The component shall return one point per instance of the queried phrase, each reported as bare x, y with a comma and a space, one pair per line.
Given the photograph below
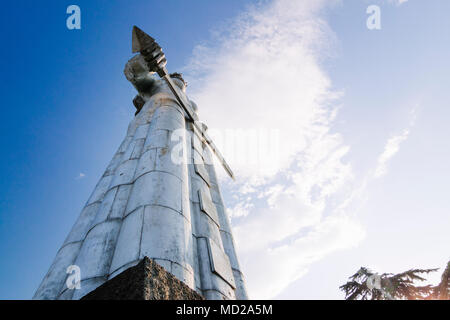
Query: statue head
179, 81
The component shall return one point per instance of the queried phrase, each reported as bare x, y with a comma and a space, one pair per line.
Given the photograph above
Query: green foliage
367, 285
443, 289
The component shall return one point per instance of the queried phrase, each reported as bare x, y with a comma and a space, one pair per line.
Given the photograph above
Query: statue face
180, 83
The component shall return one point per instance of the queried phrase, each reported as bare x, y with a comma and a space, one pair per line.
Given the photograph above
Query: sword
156, 62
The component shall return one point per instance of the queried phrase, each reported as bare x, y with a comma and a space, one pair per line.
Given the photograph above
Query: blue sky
365, 185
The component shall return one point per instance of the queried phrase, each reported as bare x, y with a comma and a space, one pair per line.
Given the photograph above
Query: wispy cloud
393, 146
264, 71
81, 175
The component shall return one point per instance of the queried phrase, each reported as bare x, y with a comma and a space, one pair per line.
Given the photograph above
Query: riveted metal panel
201, 171
207, 206
220, 264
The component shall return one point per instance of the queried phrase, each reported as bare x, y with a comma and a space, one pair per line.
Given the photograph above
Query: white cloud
265, 75
241, 209
393, 146
263, 72
81, 175
270, 270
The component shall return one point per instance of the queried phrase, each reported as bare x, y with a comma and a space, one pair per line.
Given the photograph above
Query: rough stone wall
145, 204
145, 281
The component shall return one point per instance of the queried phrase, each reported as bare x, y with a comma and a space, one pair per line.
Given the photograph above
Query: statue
159, 197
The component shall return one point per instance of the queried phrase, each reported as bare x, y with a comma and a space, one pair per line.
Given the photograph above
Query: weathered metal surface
220, 263
207, 206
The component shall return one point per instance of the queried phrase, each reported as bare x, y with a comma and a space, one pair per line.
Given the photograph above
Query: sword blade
156, 61
202, 133
205, 138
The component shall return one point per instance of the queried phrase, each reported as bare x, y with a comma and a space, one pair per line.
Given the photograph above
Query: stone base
145, 281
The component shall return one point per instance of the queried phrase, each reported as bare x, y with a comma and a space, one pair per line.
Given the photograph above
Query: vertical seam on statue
120, 229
